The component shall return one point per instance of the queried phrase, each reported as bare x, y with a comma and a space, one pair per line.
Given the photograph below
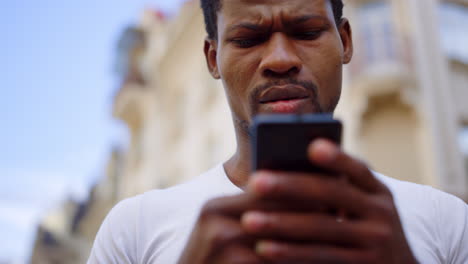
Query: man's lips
283, 93
285, 106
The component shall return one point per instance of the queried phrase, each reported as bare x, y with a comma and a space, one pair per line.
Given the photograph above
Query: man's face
279, 56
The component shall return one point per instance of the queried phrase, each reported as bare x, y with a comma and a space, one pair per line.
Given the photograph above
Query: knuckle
382, 188
370, 257
387, 192
341, 188
362, 168
218, 236
271, 221
279, 186
211, 207
242, 256
322, 187
384, 207
382, 235
250, 260
279, 253
276, 186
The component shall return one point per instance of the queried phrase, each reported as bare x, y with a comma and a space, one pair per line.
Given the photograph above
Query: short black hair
211, 7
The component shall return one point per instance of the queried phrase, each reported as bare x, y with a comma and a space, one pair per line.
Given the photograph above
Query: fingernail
261, 183
253, 221
266, 248
324, 151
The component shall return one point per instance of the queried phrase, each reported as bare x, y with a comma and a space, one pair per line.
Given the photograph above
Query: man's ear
210, 50
346, 35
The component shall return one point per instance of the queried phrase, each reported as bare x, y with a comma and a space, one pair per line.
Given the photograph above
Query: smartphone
280, 141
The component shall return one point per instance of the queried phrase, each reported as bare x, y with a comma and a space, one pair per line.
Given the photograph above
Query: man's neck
238, 167
237, 170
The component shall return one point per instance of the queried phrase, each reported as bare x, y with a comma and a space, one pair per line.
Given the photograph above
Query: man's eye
308, 35
247, 43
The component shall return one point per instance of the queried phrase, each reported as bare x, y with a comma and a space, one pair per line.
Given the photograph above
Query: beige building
404, 97
403, 107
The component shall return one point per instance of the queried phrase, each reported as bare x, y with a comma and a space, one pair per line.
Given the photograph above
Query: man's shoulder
169, 196
425, 202
426, 206
186, 197
147, 218
414, 192
210, 184
435, 222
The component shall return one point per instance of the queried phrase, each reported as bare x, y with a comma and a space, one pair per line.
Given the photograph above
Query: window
375, 20
454, 22
463, 139
129, 51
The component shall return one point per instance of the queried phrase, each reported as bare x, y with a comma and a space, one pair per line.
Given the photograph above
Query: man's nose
280, 58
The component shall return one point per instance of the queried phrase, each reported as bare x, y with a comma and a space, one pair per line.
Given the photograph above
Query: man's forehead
244, 8
274, 3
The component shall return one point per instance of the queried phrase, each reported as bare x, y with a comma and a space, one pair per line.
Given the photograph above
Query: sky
56, 89
57, 84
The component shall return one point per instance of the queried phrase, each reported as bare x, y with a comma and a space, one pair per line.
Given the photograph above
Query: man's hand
344, 216
218, 236
359, 222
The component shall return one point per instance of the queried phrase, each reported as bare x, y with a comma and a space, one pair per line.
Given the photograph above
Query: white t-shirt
154, 227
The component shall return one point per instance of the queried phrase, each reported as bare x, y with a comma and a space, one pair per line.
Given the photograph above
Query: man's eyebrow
302, 19
296, 20
247, 25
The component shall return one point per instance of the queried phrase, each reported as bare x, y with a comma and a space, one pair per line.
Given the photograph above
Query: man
284, 56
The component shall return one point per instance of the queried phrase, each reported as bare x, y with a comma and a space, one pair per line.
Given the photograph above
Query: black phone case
280, 142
